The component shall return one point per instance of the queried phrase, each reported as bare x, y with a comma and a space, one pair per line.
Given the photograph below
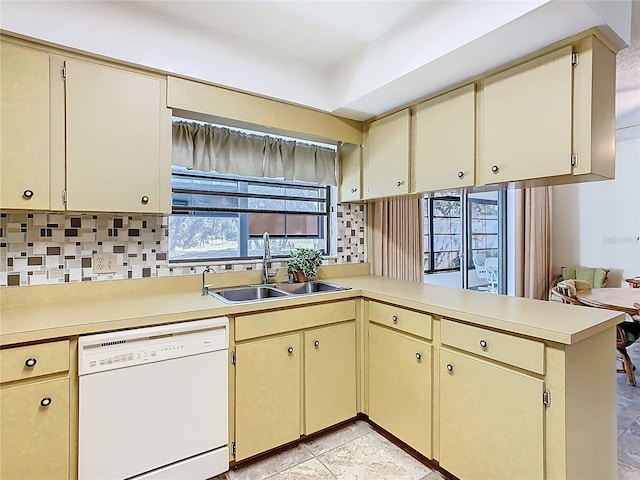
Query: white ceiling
354, 58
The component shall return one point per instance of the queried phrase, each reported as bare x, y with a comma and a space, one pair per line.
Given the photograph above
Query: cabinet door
491, 420
386, 159
350, 169
267, 394
117, 132
445, 141
525, 123
400, 386
34, 435
330, 376
24, 128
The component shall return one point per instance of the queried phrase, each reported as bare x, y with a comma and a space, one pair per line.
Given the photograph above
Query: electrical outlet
105, 263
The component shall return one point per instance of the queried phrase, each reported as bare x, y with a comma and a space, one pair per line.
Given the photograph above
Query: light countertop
56, 311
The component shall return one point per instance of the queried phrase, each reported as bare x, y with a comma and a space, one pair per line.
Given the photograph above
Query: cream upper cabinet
491, 420
386, 157
350, 172
31, 129
400, 385
525, 120
551, 119
118, 140
330, 376
267, 394
445, 141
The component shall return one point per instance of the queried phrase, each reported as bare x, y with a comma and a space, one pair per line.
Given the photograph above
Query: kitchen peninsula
493, 374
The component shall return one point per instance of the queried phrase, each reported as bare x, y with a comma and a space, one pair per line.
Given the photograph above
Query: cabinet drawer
416, 323
34, 360
516, 351
279, 321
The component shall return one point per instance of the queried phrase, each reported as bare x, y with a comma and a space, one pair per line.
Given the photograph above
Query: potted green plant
304, 263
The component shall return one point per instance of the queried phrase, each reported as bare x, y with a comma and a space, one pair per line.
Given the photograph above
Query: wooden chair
624, 339
597, 277
633, 282
626, 332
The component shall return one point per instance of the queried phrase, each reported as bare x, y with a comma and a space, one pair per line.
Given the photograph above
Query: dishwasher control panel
102, 352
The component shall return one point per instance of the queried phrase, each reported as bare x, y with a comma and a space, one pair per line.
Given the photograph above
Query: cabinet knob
30, 362
27, 194
45, 402
395, 319
449, 367
144, 199
354, 190
460, 174
316, 343
418, 356
399, 183
290, 350
495, 169
483, 343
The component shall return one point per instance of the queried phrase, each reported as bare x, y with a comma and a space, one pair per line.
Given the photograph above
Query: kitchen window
216, 217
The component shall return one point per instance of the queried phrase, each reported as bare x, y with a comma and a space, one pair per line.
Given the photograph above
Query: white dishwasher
153, 402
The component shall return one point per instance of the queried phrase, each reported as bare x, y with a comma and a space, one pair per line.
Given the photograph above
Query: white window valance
218, 149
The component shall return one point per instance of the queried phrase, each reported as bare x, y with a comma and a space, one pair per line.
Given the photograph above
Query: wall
598, 224
40, 248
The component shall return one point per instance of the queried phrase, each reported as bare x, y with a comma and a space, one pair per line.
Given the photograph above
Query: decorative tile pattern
50, 247
352, 246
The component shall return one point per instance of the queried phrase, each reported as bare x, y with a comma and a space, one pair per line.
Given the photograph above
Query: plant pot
300, 277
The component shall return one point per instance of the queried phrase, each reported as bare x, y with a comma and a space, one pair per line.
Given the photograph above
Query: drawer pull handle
27, 194
45, 402
316, 343
144, 199
495, 169
460, 174
418, 356
449, 367
290, 350
394, 318
483, 343
30, 362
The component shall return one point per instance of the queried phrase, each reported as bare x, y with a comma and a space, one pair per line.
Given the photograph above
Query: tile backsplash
46, 247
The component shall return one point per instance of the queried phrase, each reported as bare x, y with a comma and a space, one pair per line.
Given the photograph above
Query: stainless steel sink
247, 294
278, 290
309, 287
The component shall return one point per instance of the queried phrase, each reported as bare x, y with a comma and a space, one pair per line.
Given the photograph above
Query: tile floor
357, 452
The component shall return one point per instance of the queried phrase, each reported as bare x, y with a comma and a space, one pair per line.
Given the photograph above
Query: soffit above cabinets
356, 59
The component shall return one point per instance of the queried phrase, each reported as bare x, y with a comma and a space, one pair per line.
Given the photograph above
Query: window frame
431, 253
243, 211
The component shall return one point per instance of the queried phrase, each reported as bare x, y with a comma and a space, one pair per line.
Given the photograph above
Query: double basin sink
278, 290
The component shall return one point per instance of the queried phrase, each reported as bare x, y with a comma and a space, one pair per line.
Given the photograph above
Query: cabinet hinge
64, 197
574, 159
233, 358
233, 448
574, 59
546, 398
63, 72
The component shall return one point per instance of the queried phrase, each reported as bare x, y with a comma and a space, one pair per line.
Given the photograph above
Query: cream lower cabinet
295, 374
491, 420
400, 382
35, 412
267, 394
329, 376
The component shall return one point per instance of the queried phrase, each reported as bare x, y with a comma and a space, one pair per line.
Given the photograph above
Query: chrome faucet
266, 260
205, 290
